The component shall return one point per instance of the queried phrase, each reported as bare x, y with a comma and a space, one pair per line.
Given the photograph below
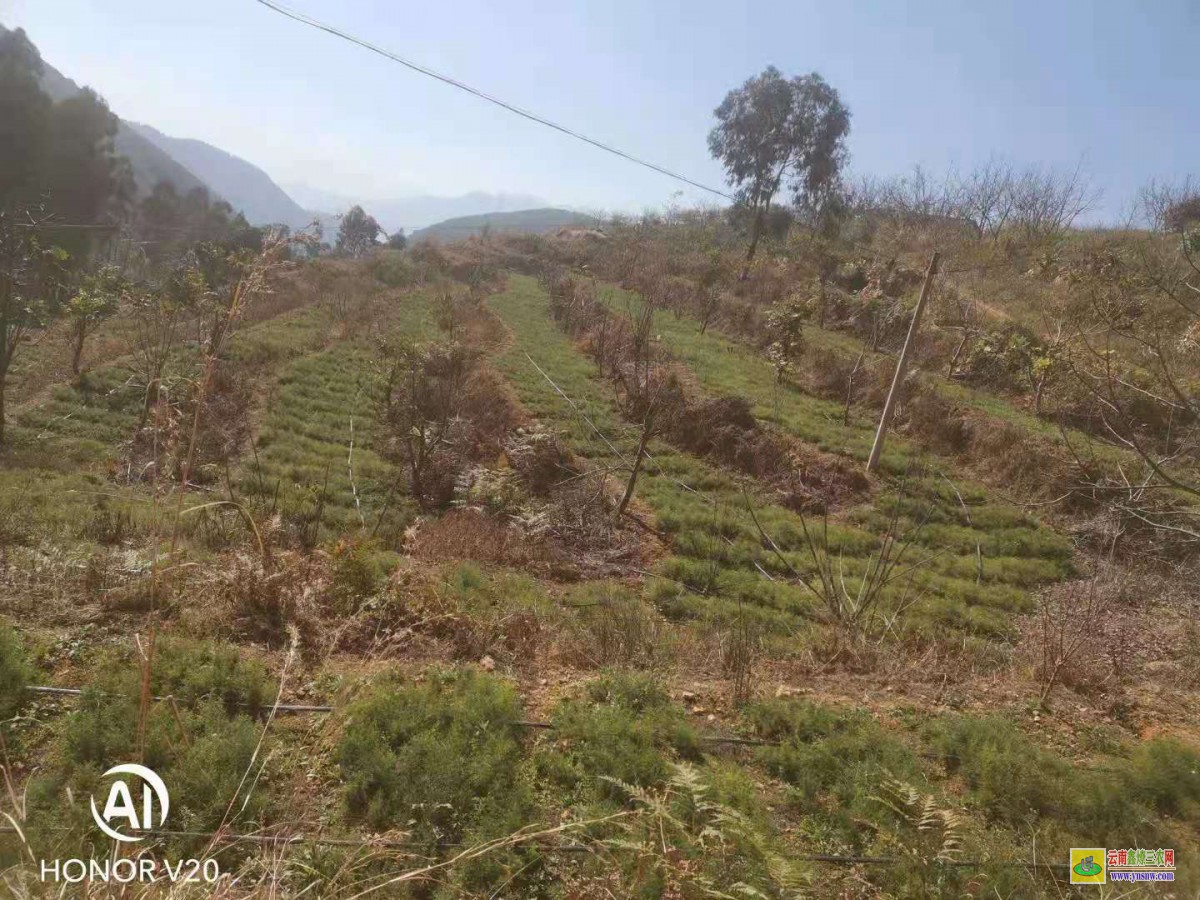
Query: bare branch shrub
1072, 620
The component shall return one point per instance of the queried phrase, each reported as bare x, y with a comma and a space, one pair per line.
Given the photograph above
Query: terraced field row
719, 553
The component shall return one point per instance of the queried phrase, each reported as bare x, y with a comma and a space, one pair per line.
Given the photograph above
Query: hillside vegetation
412, 503
577, 565
525, 221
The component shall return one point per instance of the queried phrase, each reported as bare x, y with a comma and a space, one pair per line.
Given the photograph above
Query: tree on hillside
24, 118
174, 223
31, 275
58, 157
1171, 206
398, 241
96, 299
357, 233
83, 177
1136, 357
774, 134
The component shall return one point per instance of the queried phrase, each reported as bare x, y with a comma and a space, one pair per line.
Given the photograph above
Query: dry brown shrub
938, 423
823, 480
1015, 458
829, 375
489, 404
261, 603
1075, 639
617, 629
539, 456
511, 637
878, 381
474, 535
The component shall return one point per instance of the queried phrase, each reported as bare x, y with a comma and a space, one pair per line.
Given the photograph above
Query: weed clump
627, 731
440, 758
15, 673
835, 760
200, 739
1125, 802
615, 628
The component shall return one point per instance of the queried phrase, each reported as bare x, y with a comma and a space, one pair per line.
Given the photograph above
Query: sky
940, 84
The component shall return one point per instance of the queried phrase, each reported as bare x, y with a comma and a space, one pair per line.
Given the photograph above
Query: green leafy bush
201, 742
441, 758
824, 751
1008, 775
627, 730
15, 673
393, 269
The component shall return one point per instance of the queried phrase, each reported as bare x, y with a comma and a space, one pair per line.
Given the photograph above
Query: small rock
698, 710
487, 664
688, 696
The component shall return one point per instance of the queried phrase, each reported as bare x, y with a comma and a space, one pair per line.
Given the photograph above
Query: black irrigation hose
282, 707
300, 708
278, 840
520, 723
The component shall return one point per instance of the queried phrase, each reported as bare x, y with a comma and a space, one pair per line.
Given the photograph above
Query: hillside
578, 551
526, 221
820, 532
245, 186
149, 163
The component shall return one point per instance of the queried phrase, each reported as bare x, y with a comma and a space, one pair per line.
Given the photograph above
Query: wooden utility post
901, 366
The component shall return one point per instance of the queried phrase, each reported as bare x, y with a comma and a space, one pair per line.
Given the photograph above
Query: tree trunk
637, 467
77, 351
3, 382
958, 351
755, 234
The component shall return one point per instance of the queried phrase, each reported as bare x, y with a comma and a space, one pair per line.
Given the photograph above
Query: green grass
303, 446
718, 552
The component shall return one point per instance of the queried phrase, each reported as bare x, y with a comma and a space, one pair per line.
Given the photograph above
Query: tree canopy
358, 232
776, 134
56, 156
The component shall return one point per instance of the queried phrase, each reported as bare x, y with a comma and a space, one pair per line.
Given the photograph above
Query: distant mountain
246, 187
528, 221
150, 164
420, 211
317, 199
415, 211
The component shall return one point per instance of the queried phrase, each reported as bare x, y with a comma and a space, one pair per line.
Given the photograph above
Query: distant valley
187, 164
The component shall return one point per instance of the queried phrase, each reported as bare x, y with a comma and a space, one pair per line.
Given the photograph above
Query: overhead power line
533, 117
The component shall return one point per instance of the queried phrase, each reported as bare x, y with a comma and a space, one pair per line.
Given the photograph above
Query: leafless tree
985, 198
1048, 201
420, 390
1071, 618
1138, 362
1169, 206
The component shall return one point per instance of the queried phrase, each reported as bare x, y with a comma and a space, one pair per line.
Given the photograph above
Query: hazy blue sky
935, 83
